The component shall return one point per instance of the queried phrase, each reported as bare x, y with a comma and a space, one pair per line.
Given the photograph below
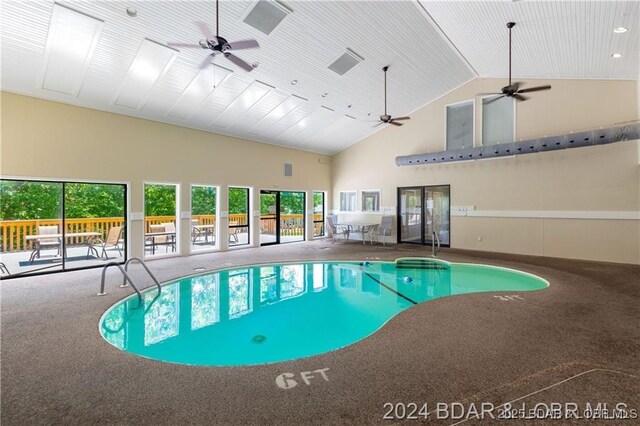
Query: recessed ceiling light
294, 82
620, 30
133, 12
616, 55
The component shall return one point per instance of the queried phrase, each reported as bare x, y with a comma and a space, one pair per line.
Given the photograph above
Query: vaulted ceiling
93, 54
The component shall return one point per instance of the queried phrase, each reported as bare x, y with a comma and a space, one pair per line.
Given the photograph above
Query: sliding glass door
269, 208
56, 226
423, 213
281, 217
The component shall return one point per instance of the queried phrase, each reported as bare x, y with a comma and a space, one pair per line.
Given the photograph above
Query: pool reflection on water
271, 313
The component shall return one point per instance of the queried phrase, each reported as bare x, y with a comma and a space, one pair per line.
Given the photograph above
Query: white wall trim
552, 214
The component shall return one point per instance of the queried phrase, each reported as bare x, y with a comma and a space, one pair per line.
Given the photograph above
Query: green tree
238, 201
30, 200
203, 200
93, 200
159, 200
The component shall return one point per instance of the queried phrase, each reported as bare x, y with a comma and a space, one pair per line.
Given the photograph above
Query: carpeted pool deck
575, 344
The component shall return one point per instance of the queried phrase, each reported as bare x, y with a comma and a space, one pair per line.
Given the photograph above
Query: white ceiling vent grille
345, 62
266, 15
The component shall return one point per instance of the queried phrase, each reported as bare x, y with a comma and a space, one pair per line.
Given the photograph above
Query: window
459, 126
498, 120
160, 213
348, 201
203, 217
239, 216
371, 201
318, 214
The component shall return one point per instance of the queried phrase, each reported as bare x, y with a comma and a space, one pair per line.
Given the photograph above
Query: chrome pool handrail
126, 277
144, 265
434, 240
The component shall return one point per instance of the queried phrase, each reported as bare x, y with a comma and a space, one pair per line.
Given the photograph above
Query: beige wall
575, 183
52, 140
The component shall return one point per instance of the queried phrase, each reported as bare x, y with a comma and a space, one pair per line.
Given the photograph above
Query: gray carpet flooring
576, 342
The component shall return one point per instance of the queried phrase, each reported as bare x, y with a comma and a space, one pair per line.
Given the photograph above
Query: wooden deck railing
12, 232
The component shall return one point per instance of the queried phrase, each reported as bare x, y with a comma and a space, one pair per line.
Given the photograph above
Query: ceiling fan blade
395, 124
492, 100
534, 89
207, 61
206, 31
378, 124
400, 118
187, 45
239, 62
243, 44
520, 97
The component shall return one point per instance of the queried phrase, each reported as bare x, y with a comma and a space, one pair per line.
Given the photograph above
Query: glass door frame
278, 193
423, 240
63, 182
276, 219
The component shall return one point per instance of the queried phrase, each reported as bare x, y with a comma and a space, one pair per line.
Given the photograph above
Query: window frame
250, 218
473, 122
355, 199
362, 201
481, 132
216, 246
127, 217
178, 251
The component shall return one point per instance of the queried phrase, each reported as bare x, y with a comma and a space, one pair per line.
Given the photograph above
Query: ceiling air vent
345, 62
266, 15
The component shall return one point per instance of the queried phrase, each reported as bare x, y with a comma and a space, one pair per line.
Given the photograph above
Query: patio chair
46, 243
383, 230
154, 240
333, 230
112, 240
195, 231
170, 239
233, 232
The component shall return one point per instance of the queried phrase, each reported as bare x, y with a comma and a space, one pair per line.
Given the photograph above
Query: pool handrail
126, 277
435, 240
144, 265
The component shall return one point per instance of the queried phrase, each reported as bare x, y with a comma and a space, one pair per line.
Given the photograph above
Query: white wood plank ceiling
431, 47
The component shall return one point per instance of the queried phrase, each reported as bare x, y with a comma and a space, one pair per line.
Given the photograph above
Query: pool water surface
270, 313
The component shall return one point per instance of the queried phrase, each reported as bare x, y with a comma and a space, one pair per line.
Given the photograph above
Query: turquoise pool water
270, 313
